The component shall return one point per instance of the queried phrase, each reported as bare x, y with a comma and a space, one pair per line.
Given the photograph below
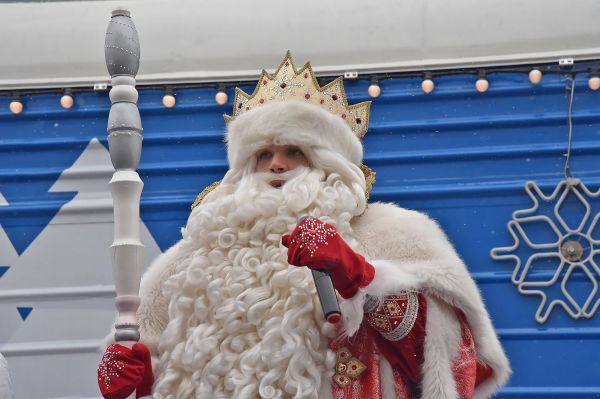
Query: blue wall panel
459, 155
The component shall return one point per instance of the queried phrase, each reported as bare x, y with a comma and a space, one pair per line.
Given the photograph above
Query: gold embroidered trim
407, 323
204, 193
369, 178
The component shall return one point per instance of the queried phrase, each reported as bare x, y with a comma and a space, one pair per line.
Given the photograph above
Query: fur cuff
389, 279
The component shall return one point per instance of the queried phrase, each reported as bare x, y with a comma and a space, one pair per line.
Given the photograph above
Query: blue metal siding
463, 157
459, 155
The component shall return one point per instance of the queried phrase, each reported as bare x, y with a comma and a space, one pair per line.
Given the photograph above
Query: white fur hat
289, 123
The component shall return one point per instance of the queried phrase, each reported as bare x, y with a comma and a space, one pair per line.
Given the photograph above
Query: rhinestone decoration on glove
313, 234
109, 366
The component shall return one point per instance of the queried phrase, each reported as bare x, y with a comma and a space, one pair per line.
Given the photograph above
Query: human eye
262, 155
295, 152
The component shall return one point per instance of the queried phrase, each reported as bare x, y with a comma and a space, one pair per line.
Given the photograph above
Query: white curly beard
243, 322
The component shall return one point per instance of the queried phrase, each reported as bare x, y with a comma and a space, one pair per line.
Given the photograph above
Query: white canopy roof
60, 44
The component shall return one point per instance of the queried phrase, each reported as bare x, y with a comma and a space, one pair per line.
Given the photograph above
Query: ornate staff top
121, 46
122, 55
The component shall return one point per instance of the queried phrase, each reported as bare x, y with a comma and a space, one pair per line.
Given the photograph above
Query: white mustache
268, 177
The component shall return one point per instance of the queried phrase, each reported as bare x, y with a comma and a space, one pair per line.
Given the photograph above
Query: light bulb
168, 99
374, 89
482, 83
16, 106
66, 101
427, 84
535, 76
221, 97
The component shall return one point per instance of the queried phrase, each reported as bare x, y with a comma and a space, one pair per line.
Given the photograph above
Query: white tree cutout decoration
574, 249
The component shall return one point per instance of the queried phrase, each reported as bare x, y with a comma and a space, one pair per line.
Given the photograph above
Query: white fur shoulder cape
409, 252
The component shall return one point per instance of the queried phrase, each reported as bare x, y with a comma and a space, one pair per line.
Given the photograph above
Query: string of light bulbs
428, 85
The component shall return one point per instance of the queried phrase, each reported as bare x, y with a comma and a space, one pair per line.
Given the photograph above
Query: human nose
278, 164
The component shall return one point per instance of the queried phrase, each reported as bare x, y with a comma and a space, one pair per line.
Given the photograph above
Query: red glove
318, 245
123, 370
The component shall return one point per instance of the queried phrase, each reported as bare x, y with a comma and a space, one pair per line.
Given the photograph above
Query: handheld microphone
326, 292
327, 297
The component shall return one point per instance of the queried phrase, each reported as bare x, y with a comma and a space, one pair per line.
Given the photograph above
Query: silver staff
122, 54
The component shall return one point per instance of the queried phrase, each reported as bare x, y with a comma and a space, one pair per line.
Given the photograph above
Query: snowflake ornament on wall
569, 245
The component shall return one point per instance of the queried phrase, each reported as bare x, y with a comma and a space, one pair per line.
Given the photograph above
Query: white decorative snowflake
575, 251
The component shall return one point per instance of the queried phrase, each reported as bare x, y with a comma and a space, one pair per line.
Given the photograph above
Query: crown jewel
288, 83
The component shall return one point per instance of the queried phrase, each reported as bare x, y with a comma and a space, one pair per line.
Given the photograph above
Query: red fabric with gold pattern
400, 321
123, 370
468, 372
395, 317
362, 347
318, 245
405, 354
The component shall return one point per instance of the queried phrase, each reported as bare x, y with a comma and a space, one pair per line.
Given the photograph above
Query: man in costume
231, 310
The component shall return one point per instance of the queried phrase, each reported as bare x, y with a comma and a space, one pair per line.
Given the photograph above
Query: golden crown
288, 83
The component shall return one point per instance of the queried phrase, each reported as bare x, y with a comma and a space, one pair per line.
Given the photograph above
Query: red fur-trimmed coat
444, 347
